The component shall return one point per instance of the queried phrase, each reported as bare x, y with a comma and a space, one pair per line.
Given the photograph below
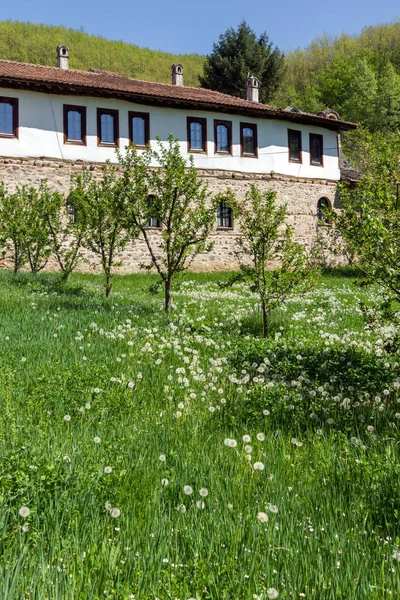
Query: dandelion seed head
260, 437
115, 512
203, 492
67, 418
258, 466
262, 517
96, 440
188, 490
24, 511
107, 469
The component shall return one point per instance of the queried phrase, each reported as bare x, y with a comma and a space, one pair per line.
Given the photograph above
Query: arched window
324, 205
223, 137
224, 216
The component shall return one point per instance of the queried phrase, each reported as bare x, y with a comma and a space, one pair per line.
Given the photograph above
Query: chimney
63, 57
253, 88
177, 74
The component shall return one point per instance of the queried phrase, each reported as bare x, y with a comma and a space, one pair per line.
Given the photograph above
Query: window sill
297, 162
243, 155
316, 164
74, 143
197, 151
107, 145
225, 228
9, 136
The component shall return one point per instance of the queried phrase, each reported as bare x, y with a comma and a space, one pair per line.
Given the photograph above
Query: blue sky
192, 27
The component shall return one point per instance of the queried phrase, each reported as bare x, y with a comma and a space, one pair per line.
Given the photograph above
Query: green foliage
238, 54
275, 265
177, 197
29, 42
24, 224
357, 76
100, 206
12, 227
367, 228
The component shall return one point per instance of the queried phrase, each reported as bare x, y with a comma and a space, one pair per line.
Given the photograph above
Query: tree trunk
265, 320
167, 295
108, 284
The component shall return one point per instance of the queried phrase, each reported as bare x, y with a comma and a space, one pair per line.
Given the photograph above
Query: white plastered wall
41, 135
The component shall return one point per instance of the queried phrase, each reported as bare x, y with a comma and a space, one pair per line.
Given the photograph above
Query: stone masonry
300, 195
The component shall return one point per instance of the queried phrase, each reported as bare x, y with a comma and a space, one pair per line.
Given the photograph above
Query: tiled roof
105, 83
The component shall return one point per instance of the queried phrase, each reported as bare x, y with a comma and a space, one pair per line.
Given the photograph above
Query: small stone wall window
316, 150
294, 143
9, 117
324, 205
224, 216
71, 212
223, 137
248, 139
139, 129
197, 134
74, 124
107, 127
153, 222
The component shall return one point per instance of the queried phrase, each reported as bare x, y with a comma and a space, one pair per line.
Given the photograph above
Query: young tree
367, 228
67, 227
275, 265
37, 205
101, 204
12, 227
239, 53
177, 198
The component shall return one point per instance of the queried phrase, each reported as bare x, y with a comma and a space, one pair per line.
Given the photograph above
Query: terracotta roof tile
105, 83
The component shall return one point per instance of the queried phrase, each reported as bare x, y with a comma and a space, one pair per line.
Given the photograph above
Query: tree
176, 198
67, 227
275, 265
12, 226
101, 203
239, 53
367, 228
37, 205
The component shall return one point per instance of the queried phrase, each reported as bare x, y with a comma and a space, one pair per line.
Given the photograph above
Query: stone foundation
300, 195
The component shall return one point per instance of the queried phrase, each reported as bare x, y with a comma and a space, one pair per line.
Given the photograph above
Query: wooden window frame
299, 137
228, 125
321, 137
323, 220
254, 154
115, 114
146, 118
225, 227
82, 111
203, 123
149, 224
15, 112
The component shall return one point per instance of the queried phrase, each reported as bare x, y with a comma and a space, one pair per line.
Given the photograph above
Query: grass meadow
188, 459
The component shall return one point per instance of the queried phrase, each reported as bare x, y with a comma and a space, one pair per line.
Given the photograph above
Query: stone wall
300, 195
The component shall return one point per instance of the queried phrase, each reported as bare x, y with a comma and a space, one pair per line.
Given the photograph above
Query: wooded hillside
28, 42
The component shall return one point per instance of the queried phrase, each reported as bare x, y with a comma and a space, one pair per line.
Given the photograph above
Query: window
74, 124
324, 205
316, 150
224, 216
248, 139
294, 144
223, 137
139, 129
153, 221
107, 127
71, 212
197, 134
9, 117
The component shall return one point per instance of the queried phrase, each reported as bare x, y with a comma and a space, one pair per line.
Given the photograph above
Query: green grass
148, 386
